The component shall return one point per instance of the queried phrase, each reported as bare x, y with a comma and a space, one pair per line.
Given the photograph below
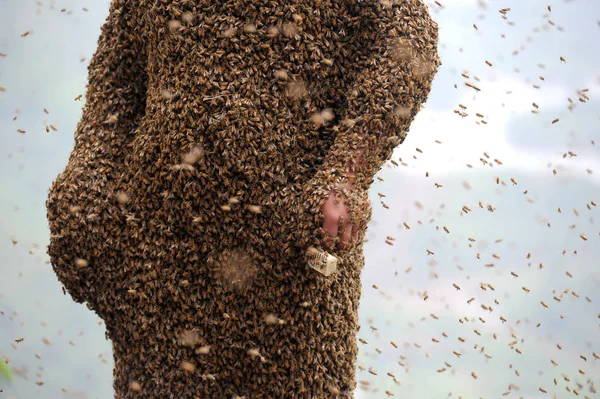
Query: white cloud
464, 142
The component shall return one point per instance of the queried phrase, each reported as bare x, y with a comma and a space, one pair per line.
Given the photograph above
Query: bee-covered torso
170, 219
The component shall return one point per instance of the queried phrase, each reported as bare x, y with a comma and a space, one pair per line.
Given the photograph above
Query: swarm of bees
197, 222
196, 181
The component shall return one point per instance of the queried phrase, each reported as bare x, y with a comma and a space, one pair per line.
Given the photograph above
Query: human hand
337, 222
337, 213
313, 209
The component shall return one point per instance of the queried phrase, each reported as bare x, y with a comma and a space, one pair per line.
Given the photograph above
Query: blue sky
47, 69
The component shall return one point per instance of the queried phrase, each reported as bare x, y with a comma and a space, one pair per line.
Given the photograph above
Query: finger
346, 236
330, 224
343, 228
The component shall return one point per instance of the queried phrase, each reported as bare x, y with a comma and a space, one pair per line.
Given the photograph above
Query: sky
529, 233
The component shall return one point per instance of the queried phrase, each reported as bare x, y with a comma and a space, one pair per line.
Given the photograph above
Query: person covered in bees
219, 141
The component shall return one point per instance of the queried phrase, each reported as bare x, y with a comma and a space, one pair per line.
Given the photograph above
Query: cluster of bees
210, 136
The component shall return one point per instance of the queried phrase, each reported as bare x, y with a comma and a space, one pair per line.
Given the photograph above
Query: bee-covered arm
395, 59
81, 229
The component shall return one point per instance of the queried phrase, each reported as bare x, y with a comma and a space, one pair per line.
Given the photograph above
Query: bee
544, 304
256, 209
456, 286
562, 59
555, 121
472, 86
188, 367
488, 63
135, 386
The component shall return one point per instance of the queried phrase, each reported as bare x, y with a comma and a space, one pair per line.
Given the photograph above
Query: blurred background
492, 284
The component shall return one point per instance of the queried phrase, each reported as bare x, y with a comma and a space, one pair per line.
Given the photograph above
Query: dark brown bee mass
211, 134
